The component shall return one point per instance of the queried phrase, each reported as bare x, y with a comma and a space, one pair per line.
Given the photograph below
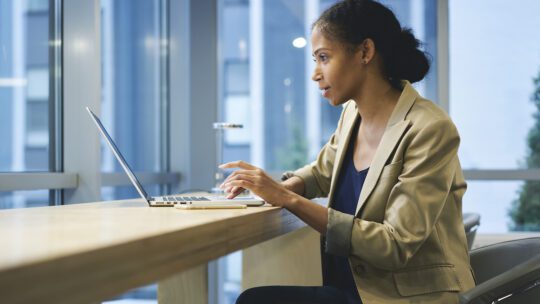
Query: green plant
525, 210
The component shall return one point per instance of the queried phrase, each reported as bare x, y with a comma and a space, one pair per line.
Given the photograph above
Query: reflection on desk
90, 252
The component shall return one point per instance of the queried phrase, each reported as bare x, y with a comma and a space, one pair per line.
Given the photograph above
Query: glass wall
493, 201
494, 101
24, 199
132, 81
24, 85
142, 295
24, 95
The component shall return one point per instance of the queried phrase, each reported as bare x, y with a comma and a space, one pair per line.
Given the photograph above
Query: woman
393, 227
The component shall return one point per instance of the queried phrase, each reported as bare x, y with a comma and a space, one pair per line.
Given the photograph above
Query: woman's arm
294, 184
277, 194
311, 213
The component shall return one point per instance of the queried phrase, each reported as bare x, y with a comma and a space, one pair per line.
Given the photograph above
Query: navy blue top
336, 270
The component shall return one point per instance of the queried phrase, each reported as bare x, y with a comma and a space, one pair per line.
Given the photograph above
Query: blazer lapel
340, 153
390, 139
394, 130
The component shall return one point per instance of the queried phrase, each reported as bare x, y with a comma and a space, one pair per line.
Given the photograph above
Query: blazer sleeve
317, 175
413, 207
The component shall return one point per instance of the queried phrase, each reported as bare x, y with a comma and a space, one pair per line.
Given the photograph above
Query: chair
471, 221
507, 272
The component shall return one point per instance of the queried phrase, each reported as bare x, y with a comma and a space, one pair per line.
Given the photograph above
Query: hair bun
408, 61
407, 41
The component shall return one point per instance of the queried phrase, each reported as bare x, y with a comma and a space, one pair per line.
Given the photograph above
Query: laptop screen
119, 156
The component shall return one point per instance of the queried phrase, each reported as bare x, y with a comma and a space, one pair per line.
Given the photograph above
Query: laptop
179, 201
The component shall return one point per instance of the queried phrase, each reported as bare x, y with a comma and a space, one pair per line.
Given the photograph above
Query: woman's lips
324, 92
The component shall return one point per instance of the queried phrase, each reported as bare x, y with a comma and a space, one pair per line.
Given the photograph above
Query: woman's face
338, 70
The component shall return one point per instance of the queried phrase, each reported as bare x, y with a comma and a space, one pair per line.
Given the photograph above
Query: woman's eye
320, 58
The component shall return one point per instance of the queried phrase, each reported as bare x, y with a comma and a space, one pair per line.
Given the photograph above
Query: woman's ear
368, 50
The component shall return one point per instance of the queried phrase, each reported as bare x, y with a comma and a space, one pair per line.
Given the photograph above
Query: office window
24, 199
132, 87
490, 85
493, 67
493, 201
127, 192
24, 86
504, 206
37, 5
26, 101
142, 295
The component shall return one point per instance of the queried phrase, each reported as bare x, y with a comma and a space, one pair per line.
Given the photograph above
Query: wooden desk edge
110, 271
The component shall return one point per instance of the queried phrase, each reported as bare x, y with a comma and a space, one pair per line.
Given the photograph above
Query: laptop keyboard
184, 198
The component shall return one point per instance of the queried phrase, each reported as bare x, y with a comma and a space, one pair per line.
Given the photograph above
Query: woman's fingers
247, 177
240, 183
234, 192
238, 164
245, 172
237, 177
238, 172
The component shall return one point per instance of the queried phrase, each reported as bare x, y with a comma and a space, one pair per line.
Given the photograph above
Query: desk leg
189, 286
291, 259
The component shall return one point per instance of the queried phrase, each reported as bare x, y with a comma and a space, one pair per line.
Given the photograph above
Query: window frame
74, 67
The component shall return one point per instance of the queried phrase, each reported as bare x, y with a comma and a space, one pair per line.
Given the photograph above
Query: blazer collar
404, 104
396, 126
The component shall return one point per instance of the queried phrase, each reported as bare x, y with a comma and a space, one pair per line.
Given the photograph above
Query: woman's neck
376, 101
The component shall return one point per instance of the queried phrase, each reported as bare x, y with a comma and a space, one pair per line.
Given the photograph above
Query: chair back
471, 221
492, 260
507, 272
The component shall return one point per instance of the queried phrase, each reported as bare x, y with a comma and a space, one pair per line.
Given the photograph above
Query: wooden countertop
89, 252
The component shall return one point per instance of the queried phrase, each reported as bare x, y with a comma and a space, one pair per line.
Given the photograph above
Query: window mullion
55, 95
81, 88
443, 57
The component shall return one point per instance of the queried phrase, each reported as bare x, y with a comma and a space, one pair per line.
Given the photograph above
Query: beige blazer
406, 243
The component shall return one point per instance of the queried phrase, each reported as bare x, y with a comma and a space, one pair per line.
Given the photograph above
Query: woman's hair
352, 21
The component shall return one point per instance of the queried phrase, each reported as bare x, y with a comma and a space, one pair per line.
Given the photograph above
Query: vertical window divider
179, 94
55, 96
81, 58
164, 49
443, 61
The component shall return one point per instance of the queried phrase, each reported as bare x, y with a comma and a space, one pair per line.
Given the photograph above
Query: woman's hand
256, 180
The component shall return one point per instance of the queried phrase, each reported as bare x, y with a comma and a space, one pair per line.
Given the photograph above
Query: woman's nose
316, 75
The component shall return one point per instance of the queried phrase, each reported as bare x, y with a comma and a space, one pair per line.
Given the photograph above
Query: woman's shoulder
425, 112
429, 120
